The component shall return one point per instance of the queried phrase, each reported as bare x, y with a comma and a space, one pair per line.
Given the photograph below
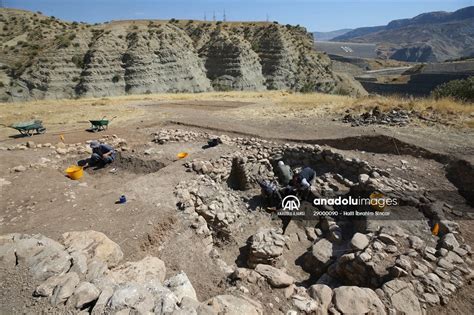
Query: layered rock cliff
43, 57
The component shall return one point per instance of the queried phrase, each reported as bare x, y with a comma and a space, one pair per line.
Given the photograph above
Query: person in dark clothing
303, 181
270, 193
102, 154
274, 199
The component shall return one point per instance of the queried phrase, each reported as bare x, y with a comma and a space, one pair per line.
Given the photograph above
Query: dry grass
277, 103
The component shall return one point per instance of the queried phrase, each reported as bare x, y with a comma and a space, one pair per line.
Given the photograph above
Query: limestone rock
322, 294
449, 242
140, 271
181, 286
64, 288
356, 300
131, 296
359, 241
402, 297
84, 294
276, 277
233, 305
94, 245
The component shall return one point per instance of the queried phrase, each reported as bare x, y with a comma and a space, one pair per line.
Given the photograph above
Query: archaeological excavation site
196, 236
236, 157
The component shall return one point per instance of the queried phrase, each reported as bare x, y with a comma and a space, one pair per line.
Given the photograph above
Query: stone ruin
376, 266
354, 266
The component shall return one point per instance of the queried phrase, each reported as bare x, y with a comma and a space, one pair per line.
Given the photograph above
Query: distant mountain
361, 31
433, 36
324, 36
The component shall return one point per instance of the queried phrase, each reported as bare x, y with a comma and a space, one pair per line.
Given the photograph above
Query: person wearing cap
284, 173
102, 154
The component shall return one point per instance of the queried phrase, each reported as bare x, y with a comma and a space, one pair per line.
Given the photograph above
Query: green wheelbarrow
28, 128
99, 125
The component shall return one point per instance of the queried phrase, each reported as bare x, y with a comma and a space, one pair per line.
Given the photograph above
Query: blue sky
315, 15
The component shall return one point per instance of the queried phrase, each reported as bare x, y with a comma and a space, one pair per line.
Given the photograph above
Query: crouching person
102, 154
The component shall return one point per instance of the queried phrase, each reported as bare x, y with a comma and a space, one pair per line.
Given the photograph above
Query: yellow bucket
74, 172
182, 155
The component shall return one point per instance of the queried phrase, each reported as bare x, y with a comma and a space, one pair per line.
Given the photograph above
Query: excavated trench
138, 165
412, 216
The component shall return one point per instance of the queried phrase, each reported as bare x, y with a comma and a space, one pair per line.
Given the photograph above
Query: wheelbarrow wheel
41, 130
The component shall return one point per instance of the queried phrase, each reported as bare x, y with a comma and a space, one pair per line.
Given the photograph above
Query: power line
224, 17
213, 16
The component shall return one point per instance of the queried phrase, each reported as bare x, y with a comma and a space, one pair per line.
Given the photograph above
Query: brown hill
43, 57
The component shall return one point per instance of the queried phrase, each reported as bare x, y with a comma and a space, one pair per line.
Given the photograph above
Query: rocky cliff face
43, 57
428, 37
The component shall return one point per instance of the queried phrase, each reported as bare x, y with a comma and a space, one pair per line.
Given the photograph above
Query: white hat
280, 163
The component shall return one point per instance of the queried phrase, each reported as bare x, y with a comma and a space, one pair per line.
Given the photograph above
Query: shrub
115, 78
308, 87
78, 60
462, 90
2, 84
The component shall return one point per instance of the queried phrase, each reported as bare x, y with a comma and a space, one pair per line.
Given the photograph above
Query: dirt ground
42, 200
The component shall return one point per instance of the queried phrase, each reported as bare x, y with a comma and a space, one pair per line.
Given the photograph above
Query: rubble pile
266, 247
205, 198
178, 135
395, 117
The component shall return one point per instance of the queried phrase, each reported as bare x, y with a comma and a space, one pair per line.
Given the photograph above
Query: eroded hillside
43, 57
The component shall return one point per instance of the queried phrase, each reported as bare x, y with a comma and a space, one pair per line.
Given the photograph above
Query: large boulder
233, 305
131, 296
43, 256
94, 245
84, 294
181, 286
140, 271
322, 295
357, 300
276, 277
402, 297
64, 288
